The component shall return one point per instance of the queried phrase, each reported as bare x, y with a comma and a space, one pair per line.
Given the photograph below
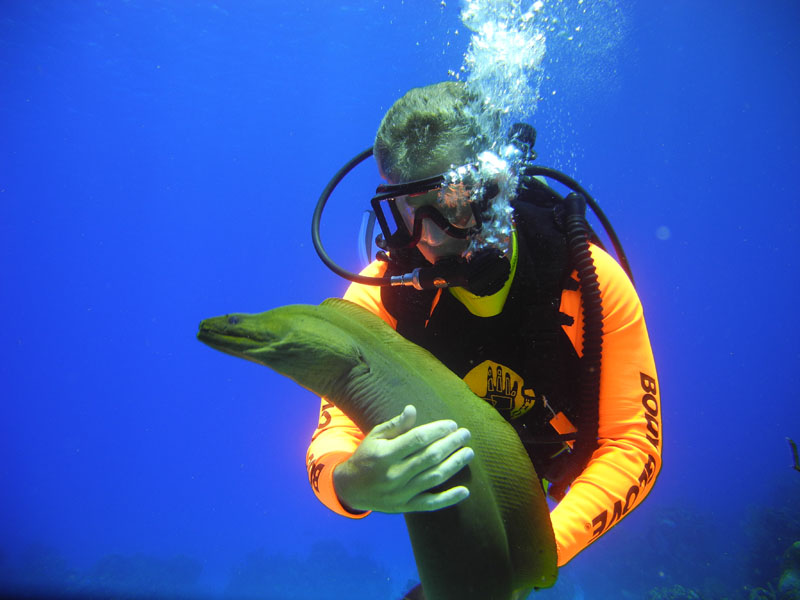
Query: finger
435, 453
421, 437
397, 425
440, 473
428, 502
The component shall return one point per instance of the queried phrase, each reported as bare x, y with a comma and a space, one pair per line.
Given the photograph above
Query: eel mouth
223, 334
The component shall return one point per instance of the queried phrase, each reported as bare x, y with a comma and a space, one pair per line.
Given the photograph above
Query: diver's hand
397, 464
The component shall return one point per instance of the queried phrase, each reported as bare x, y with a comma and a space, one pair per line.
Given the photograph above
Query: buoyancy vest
521, 360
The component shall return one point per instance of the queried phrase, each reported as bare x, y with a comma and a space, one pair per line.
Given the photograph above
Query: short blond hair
427, 130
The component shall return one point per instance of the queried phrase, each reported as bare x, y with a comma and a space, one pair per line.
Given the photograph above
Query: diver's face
434, 243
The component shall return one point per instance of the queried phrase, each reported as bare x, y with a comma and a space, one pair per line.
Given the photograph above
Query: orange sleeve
623, 468
336, 436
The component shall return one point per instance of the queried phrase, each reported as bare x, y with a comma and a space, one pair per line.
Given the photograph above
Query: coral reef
141, 575
789, 583
42, 571
772, 527
660, 553
674, 592
326, 573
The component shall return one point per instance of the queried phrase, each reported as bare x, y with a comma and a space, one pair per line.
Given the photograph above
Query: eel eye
233, 320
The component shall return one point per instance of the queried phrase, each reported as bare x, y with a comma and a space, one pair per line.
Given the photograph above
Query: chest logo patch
502, 388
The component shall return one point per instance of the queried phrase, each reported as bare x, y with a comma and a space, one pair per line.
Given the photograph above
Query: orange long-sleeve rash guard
622, 469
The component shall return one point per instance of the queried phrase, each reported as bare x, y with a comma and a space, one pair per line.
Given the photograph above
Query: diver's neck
492, 305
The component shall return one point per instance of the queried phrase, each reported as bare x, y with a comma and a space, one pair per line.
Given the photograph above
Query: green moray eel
495, 545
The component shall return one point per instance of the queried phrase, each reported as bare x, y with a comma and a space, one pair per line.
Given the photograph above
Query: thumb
397, 425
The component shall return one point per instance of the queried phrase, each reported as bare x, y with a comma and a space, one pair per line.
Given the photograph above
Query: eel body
495, 545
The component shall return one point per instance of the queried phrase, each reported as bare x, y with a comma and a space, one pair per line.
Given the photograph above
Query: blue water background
159, 164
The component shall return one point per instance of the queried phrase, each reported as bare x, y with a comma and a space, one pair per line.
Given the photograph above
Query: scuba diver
501, 278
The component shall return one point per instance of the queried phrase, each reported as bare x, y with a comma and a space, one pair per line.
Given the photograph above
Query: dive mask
456, 202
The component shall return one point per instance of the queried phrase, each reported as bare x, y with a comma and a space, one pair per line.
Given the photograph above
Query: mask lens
454, 203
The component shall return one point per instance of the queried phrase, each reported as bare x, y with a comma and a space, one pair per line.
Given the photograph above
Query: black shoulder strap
545, 272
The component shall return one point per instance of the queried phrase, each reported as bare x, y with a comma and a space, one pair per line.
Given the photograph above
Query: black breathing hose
315, 221
577, 230
573, 185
